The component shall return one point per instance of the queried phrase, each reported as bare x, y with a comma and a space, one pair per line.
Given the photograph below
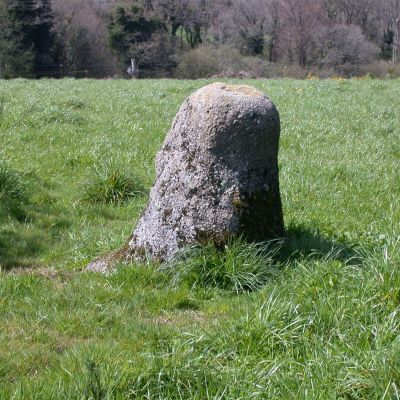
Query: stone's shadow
302, 242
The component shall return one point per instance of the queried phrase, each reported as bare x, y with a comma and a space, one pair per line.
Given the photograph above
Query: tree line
194, 38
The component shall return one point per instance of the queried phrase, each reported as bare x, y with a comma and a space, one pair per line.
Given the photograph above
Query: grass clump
238, 267
11, 186
110, 184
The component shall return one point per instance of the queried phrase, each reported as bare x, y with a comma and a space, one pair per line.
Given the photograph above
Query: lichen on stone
219, 166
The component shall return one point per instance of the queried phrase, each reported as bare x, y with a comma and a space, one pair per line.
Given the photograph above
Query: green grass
110, 184
317, 319
11, 186
239, 267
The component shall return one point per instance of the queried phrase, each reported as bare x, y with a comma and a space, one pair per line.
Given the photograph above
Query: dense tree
15, 60
27, 41
136, 38
343, 44
187, 18
96, 37
82, 47
301, 22
391, 18
257, 23
251, 20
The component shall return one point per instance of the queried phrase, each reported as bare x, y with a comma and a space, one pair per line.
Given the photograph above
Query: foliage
226, 61
75, 51
346, 44
198, 63
99, 39
132, 34
26, 38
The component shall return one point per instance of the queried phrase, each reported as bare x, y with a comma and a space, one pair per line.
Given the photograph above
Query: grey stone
217, 175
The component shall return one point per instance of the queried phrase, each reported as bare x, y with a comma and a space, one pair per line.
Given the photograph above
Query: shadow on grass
18, 242
302, 242
18, 250
27, 230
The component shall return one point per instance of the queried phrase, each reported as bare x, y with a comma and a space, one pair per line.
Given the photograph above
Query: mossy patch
244, 89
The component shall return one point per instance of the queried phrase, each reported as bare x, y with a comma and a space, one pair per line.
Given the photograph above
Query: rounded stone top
232, 89
223, 121
219, 94
221, 98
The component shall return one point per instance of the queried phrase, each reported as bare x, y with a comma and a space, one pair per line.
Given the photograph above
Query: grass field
76, 166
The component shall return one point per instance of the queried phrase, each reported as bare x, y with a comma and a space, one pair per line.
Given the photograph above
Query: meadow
316, 316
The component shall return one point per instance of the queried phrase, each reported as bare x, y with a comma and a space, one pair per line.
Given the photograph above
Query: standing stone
217, 174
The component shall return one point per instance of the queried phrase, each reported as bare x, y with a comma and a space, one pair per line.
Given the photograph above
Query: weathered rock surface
217, 175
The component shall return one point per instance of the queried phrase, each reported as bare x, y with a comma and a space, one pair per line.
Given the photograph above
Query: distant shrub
381, 69
342, 50
198, 63
110, 184
11, 186
294, 71
238, 267
224, 61
346, 45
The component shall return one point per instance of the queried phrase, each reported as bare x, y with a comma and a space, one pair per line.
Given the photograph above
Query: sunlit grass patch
111, 184
237, 267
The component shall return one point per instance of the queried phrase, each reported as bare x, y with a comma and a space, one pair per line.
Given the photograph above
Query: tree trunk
134, 68
396, 41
